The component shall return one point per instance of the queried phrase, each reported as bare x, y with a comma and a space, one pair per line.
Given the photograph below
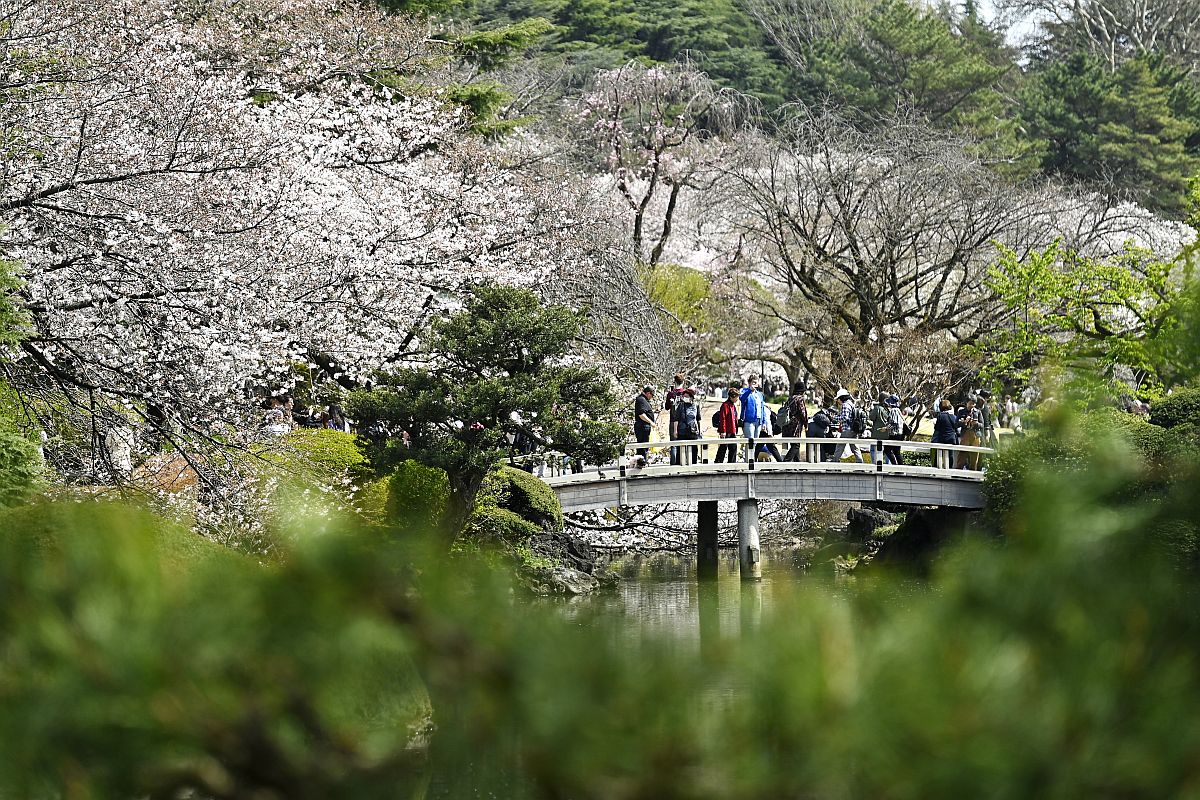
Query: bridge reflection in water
628, 483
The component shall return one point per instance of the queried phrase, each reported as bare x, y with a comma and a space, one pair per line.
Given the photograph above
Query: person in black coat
945, 431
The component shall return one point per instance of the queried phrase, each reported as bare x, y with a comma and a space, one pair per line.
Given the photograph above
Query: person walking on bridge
987, 409
945, 431
725, 421
643, 420
754, 412
686, 425
797, 418
972, 427
896, 417
880, 421
669, 405
847, 420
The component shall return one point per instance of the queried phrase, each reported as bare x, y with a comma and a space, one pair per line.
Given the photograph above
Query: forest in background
1087, 92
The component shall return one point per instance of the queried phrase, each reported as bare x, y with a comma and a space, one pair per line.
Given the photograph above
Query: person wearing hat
845, 420
896, 417
643, 420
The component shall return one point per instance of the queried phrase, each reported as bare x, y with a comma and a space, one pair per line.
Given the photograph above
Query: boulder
863, 521
559, 580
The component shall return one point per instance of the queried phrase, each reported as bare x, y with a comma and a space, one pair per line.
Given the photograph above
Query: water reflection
660, 597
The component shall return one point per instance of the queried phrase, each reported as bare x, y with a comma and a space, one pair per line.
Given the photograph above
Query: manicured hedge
523, 494
1181, 407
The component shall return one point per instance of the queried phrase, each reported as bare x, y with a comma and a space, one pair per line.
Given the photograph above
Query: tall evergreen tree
1117, 128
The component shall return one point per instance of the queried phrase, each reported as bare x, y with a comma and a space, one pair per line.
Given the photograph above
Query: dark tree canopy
500, 365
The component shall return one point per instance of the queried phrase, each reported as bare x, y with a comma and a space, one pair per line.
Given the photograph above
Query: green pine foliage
1135, 127
907, 57
501, 359
717, 34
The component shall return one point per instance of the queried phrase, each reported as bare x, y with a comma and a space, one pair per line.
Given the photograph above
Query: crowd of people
281, 416
744, 414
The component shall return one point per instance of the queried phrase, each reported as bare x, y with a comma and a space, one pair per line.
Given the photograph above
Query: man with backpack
880, 422
793, 418
754, 410
853, 423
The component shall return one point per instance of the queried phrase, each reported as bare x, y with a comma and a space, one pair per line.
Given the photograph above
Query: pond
659, 602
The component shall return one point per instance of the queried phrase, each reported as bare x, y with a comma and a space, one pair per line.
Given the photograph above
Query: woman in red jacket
726, 423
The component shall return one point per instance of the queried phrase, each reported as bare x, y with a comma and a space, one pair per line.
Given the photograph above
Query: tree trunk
464, 488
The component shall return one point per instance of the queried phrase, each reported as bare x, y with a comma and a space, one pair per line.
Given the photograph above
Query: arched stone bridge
629, 484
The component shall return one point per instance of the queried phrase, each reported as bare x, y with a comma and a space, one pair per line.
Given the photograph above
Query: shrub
371, 499
1014, 461
20, 467
1182, 407
417, 496
489, 522
523, 494
325, 450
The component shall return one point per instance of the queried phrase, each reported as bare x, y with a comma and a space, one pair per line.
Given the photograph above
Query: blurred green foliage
1158, 464
417, 496
1059, 665
137, 660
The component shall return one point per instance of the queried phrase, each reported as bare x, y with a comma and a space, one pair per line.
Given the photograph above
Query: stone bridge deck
624, 486
628, 483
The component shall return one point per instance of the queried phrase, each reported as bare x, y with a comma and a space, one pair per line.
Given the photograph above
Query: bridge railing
793, 453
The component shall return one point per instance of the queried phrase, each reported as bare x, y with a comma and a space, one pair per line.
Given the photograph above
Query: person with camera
969, 435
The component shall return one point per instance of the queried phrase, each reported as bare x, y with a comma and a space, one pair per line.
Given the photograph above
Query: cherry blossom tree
656, 133
868, 241
207, 195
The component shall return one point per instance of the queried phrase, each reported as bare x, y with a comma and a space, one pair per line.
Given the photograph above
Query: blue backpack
689, 421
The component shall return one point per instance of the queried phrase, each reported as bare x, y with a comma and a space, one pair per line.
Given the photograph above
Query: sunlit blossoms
206, 195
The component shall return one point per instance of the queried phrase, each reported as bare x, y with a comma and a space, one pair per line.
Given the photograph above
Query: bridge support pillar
706, 540
749, 557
